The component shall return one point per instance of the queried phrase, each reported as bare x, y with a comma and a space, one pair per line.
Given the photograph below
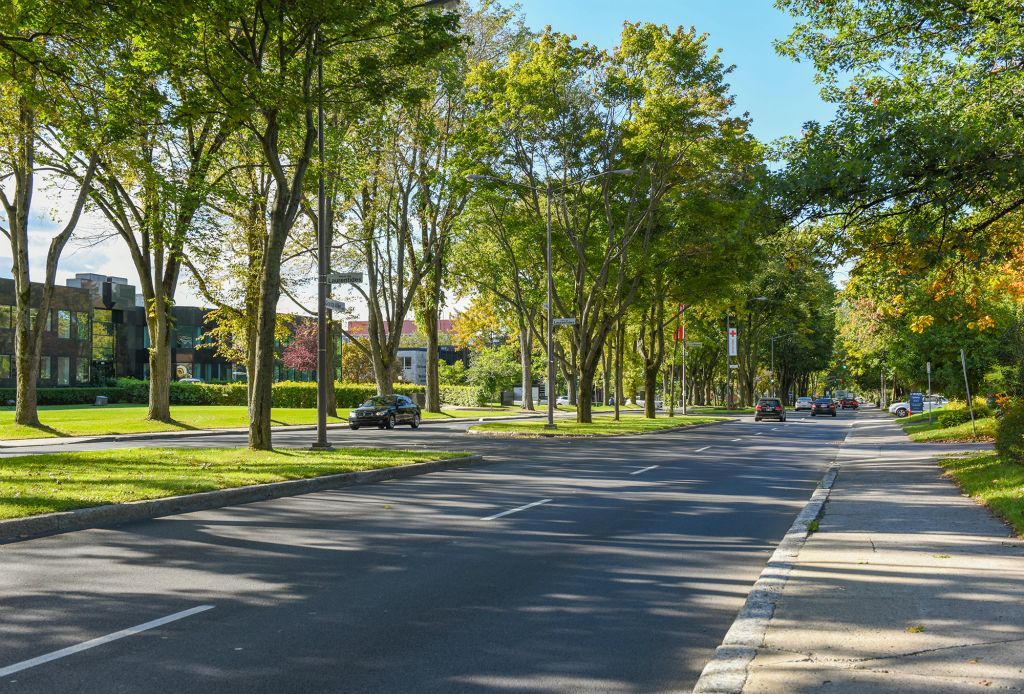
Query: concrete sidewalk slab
908, 586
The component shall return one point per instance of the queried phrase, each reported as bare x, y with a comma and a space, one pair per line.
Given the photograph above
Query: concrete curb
542, 435
726, 672
18, 529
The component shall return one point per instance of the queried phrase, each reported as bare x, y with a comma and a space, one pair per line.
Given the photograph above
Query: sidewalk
907, 586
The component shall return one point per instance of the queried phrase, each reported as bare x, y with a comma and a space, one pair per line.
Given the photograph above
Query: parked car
823, 406
803, 403
658, 404
190, 380
931, 402
849, 403
562, 400
769, 407
385, 411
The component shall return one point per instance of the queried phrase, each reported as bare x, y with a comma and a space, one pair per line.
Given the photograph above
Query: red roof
360, 328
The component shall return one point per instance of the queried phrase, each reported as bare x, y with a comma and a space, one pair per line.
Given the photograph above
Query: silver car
803, 403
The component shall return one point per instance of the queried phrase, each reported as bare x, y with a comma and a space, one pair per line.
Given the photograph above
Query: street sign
694, 344
563, 321
732, 342
929, 368
681, 333
335, 305
916, 402
734, 366
344, 277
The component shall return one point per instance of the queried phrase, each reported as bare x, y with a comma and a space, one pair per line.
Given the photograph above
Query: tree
300, 354
44, 109
494, 370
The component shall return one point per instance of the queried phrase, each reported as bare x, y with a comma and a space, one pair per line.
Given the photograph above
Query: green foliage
71, 396
464, 396
495, 369
952, 414
1010, 434
452, 374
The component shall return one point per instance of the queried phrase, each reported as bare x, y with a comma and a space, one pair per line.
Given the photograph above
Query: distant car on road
562, 400
931, 402
803, 403
823, 406
190, 380
769, 407
385, 411
849, 403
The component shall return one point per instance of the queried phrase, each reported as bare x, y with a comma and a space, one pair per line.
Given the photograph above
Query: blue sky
779, 94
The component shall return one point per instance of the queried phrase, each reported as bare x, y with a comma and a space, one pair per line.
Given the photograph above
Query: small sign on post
335, 305
732, 342
916, 402
563, 321
344, 277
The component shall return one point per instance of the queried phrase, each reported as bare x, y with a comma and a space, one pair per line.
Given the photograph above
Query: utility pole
323, 379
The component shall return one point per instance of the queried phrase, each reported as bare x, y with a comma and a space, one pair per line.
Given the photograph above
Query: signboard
344, 277
916, 402
335, 305
681, 333
929, 368
694, 344
734, 366
732, 342
564, 321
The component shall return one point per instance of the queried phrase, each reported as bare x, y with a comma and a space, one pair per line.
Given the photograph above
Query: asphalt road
621, 572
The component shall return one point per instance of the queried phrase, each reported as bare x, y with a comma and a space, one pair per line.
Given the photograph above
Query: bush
1010, 434
68, 396
954, 413
463, 396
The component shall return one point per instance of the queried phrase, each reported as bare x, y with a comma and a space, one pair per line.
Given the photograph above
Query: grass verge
34, 484
922, 431
86, 420
603, 426
997, 484
712, 410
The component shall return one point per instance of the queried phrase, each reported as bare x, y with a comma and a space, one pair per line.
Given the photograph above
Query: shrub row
285, 393
1010, 434
463, 396
957, 412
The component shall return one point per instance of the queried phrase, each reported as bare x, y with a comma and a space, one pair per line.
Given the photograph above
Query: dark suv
823, 406
769, 407
385, 411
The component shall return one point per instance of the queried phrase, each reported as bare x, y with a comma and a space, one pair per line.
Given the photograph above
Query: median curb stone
544, 435
18, 529
726, 672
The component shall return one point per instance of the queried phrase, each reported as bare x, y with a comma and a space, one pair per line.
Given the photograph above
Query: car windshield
824, 401
380, 401
769, 403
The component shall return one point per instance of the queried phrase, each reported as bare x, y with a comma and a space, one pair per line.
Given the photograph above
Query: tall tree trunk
650, 389
526, 364
433, 394
27, 360
263, 378
332, 392
585, 397
620, 341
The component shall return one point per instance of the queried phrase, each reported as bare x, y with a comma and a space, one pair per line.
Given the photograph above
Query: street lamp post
549, 191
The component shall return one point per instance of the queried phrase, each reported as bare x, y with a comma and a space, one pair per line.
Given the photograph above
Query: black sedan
823, 406
385, 412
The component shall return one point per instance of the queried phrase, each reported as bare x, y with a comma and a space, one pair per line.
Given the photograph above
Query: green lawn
997, 484
601, 426
86, 420
918, 428
34, 484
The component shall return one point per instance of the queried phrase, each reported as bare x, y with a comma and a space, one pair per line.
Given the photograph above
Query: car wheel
783, 419
353, 427
416, 421
833, 414
391, 422
813, 415
902, 412
757, 419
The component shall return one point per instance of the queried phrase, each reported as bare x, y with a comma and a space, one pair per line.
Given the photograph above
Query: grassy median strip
86, 420
601, 426
34, 484
921, 430
992, 481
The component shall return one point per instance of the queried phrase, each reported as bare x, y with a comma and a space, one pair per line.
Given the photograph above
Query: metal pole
930, 393
728, 364
963, 362
684, 393
672, 373
323, 261
551, 343
775, 376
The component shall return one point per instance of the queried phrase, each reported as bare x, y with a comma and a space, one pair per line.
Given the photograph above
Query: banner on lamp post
732, 343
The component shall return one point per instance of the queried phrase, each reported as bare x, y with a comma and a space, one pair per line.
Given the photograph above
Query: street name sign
916, 402
563, 321
335, 305
345, 277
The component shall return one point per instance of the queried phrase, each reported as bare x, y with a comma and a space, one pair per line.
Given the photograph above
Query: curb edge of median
726, 672
542, 435
32, 527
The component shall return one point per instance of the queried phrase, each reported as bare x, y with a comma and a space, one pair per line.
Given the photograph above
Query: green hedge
463, 396
68, 396
1010, 434
285, 393
957, 412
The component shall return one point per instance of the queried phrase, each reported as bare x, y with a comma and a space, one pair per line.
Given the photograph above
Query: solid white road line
758, 433
637, 472
737, 439
517, 510
700, 450
92, 643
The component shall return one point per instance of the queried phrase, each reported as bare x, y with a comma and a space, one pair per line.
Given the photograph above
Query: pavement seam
31, 527
726, 672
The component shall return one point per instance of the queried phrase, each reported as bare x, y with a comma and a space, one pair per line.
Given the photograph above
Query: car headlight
380, 412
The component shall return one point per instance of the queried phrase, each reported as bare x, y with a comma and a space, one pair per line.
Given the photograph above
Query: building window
63, 324
63, 371
44, 369
82, 373
5, 365
82, 321
6, 316
406, 362
102, 336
